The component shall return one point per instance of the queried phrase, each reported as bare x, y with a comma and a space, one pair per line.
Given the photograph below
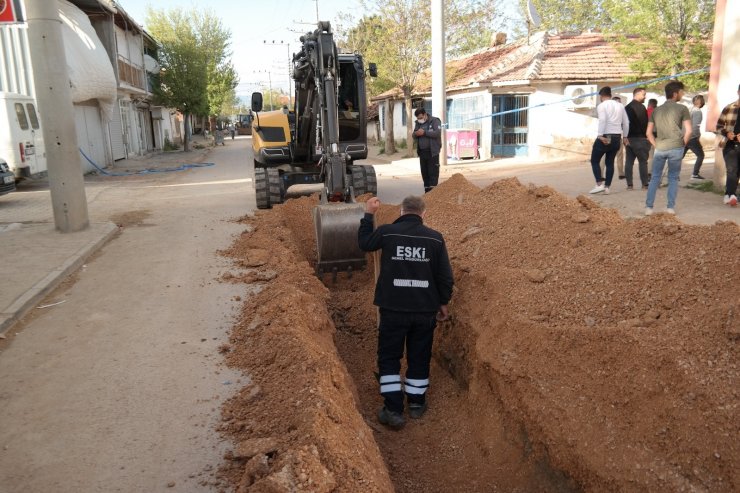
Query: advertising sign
10, 11
462, 144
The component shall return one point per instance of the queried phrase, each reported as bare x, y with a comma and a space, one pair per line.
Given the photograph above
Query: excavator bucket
336, 237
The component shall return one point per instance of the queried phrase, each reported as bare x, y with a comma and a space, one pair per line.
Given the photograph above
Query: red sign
462, 144
7, 12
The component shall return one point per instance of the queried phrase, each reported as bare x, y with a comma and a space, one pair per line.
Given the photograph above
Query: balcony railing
131, 74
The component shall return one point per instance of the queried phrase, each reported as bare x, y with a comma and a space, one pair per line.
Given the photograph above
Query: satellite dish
534, 17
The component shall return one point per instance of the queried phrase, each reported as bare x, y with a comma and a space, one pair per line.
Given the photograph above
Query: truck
318, 141
22, 144
244, 124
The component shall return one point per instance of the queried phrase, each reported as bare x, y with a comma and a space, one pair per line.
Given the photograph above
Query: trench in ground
465, 442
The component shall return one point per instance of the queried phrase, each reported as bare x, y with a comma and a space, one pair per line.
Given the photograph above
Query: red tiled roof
582, 56
544, 57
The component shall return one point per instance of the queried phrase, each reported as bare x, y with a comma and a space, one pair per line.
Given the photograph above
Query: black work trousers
731, 153
415, 331
694, 146
639, 148
429, 168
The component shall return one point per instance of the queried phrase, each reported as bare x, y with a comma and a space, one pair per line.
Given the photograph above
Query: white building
110, 59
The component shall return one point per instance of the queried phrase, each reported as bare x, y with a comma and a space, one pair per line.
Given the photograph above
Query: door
509, 131
115, 129
90, 136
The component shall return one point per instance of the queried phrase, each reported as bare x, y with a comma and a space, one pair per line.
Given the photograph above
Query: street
119, 387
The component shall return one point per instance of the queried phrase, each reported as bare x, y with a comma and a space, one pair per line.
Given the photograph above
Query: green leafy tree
666, 37
196, 76
215, 39
660, 37
571, 15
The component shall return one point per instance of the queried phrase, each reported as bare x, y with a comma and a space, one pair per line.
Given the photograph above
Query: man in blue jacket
412, 292
428, 137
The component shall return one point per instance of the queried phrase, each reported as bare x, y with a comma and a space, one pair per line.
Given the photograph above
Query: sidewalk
39, 258
42, 258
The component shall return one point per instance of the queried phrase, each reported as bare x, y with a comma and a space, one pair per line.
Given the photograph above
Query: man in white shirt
613, 128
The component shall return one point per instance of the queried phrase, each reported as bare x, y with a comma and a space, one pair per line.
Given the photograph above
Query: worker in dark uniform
412, 292
428, 137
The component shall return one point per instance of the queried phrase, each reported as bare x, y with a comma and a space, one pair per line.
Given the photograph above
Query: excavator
318, 142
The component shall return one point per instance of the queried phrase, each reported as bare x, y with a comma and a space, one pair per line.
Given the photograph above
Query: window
32, 116
382, 116
20, 113
465, 113
349, 115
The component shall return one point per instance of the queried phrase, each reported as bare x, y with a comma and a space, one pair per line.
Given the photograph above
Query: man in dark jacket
412, 292
428, 137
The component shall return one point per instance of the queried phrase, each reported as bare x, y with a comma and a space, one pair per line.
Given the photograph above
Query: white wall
15, 60
556, 130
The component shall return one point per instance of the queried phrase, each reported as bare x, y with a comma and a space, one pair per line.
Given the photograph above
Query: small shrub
402, 144
381, 147
704, 186
169, 146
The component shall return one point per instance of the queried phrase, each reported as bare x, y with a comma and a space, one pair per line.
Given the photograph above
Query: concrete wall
724, 75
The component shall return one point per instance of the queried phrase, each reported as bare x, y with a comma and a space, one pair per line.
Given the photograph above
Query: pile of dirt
585, 352
296, 426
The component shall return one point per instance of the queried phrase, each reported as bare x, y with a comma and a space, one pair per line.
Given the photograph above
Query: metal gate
509, 131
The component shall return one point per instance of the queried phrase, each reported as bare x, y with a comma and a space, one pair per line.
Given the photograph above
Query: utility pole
439, 97
317, 11
50, 76
282, 43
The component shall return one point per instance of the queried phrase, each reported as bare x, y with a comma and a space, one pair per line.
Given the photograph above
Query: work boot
417, 410
391, 419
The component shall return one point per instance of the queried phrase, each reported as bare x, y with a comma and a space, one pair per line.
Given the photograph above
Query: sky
252, 22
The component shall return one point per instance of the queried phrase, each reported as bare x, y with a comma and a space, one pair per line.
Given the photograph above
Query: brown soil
584, 352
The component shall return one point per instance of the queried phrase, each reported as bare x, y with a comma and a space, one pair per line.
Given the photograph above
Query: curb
30, 298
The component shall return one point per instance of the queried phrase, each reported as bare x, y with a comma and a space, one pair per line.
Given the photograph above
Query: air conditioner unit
581, 95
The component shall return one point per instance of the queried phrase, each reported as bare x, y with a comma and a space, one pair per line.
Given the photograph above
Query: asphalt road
119, 387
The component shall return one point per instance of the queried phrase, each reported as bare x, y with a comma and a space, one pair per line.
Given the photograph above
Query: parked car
7, 178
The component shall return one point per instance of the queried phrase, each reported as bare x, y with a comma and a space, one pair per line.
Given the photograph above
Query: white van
21, 139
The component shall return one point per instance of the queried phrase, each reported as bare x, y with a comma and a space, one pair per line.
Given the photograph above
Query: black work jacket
415, 271
432, 138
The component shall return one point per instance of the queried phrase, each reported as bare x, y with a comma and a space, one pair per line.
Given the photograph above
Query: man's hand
605, 140
443, 314
419, 132
626, 141
372, 205
731, 135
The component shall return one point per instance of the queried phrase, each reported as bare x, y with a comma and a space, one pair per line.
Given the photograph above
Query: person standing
728, 125
613, 127
412, 293
637, 144
672, 125
428, 137
694, 144
652, 104
619, 158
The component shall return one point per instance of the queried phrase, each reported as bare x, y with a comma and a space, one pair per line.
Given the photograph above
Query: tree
214, 39
396, 35
571, 15
667, 36
196, 77
662, 37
